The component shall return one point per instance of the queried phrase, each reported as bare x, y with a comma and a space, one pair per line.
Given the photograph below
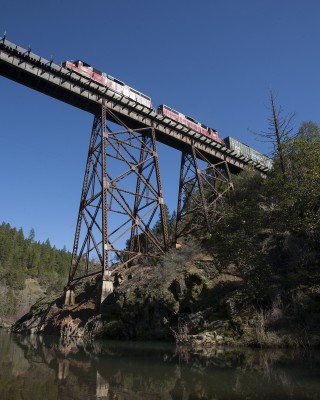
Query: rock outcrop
173, 301
183, 299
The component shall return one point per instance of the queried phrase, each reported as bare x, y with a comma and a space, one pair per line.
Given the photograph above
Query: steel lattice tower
201, 192
121, 197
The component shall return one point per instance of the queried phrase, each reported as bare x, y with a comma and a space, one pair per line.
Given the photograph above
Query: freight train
84, 69
119, 87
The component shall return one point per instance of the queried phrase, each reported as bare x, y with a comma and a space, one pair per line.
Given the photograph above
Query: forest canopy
21, 258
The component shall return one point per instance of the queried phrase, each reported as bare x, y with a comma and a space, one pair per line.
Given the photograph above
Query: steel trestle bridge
122, 190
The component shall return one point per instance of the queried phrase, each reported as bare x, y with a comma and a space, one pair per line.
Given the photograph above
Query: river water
46, 368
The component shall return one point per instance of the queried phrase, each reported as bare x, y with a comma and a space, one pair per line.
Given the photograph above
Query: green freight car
248, 152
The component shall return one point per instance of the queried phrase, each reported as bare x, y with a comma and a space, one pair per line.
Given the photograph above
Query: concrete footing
69, 298
107, 286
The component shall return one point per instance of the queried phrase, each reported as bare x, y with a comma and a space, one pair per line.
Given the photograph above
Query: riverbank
185, 299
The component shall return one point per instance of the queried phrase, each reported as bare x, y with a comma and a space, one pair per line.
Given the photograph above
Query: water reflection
48, 368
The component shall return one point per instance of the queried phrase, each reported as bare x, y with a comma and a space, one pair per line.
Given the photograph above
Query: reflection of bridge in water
45, 367
122, 190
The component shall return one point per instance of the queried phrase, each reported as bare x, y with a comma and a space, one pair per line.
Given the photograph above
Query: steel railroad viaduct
113, 205
36, 72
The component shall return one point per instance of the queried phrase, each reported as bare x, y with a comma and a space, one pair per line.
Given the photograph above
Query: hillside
189, 299
28, 270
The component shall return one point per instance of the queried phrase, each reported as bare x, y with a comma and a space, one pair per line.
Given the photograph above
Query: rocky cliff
183, 298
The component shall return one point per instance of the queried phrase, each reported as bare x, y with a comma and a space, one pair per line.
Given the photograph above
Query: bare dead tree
279, 129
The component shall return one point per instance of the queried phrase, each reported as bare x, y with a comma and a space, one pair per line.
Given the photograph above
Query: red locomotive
108, 81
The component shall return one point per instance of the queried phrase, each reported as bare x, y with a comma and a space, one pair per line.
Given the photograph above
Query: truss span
25, 67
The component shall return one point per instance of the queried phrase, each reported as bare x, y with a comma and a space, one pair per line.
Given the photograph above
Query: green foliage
142, 244
8, 300
22, 258
244, 215
264, 213
294, 197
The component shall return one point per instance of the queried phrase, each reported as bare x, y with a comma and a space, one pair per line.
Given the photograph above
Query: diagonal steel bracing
120, 201
201, 192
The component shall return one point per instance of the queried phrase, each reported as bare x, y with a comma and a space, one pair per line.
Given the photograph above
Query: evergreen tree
32, 235
21, 258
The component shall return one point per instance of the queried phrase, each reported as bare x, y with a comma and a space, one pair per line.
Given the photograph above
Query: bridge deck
31, 70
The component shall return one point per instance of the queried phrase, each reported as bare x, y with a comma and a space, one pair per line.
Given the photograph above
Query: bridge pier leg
201, 193
120, 202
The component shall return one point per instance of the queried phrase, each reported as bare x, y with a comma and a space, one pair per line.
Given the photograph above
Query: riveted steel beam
120, 202
201, 193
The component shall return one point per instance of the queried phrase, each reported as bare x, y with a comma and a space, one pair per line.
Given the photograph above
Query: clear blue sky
214, 60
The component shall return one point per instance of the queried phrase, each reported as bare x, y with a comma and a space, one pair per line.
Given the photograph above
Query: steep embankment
185, 298
171, 300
